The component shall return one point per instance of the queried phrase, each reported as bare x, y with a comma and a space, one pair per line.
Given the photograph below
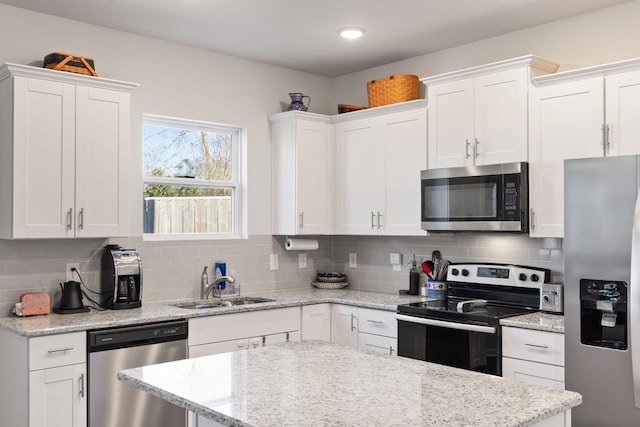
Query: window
192, 179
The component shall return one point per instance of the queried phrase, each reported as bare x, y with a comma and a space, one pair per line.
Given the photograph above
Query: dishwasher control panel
129, 336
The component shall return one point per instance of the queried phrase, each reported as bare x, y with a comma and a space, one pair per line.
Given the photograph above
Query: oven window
462, 349
468, 198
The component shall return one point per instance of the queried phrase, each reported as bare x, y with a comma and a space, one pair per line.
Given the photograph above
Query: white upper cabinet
379, 155
302, 151
577, 114
479, 116
65, 147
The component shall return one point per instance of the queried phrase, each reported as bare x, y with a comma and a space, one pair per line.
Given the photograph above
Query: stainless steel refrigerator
602, 289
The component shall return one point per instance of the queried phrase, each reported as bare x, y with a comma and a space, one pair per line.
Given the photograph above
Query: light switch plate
353, 260
394, 259
302, 260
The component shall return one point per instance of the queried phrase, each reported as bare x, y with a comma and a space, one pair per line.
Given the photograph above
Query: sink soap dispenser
414, 278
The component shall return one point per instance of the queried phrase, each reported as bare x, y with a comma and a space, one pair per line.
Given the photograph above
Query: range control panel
499, 274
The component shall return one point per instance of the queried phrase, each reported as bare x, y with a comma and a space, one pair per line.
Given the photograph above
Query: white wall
599, 37
177, 81
191, 83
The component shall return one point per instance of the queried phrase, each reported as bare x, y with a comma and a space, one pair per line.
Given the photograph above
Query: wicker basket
392, 89
70, 63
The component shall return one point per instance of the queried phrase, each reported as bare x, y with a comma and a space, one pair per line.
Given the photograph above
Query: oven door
461, 345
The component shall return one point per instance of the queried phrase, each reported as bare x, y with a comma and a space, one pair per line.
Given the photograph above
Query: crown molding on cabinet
538, 66
8, 70
594, 71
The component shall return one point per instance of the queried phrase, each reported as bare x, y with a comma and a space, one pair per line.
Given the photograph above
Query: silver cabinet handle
373, 216
475, 148
390, 351
242, 344
606, 142
81, 219
466, 149
375, 322
69, 218
533, 220
59, 350
379, 220
528, 344
301, 220
81, 385
288, 338
352, 322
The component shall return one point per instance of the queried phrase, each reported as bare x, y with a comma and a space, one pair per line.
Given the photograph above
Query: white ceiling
302, 34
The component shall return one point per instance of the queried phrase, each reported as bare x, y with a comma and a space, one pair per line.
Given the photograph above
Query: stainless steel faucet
214, 285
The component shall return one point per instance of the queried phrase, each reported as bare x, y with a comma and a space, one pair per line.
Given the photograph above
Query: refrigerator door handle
634, 303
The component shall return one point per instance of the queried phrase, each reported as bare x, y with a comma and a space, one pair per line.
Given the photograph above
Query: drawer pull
536, 345
59, 350
375, 322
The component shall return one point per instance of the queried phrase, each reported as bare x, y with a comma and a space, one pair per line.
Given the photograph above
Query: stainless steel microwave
476, 198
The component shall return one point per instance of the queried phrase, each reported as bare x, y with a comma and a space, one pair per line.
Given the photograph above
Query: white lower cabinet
364, 328
316, 322
535, 357
239, 331
344, 325
44, 380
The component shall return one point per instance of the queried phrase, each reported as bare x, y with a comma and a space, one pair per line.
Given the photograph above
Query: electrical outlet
394, 259
71, 275
273, 262
302, 260
353, 260
397, 267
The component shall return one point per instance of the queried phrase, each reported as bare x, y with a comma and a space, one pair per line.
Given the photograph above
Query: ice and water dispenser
603, 313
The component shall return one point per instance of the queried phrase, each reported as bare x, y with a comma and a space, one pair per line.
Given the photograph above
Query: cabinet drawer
57, 350
378, 322
533, 345
533, 372
377, 343
226, 327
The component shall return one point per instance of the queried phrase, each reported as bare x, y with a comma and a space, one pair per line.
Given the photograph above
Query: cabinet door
565, 123
501, 117
316, 322
313, 148
451, 124
44, 158
102, 162
622, 94
57, 397
378, 344
344, 325
403, 137
357, 169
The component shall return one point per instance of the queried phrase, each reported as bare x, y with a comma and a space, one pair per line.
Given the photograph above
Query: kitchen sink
215, 303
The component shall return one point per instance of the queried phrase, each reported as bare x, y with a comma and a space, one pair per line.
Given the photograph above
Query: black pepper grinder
414, 278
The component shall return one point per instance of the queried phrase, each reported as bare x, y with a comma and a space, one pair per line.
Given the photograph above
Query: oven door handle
445, 324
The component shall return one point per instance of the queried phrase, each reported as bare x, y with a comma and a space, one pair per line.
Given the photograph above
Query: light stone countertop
53, 323
319, 384
538, 321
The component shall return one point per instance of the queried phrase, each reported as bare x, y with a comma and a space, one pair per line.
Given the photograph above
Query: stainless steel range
463, 330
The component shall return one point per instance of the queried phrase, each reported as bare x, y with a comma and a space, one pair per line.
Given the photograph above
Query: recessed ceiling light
351, 32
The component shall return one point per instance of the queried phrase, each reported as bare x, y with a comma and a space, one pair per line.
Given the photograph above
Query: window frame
237, 183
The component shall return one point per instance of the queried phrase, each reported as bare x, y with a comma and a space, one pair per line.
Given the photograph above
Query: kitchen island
315, 383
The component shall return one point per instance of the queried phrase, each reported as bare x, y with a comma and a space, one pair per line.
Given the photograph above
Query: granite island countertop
163, 311
314, 383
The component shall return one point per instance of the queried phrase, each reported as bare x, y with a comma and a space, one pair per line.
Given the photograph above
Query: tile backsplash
171, 270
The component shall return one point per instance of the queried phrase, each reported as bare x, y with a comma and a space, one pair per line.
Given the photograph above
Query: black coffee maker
121, 284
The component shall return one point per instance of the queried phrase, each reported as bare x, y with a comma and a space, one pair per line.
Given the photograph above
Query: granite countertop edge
52, 323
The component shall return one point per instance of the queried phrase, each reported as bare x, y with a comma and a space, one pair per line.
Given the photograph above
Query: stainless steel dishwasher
113, 403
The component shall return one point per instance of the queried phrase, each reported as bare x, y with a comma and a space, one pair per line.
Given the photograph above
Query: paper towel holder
300, 244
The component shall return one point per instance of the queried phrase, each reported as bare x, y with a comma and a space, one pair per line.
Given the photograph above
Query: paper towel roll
301, 244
